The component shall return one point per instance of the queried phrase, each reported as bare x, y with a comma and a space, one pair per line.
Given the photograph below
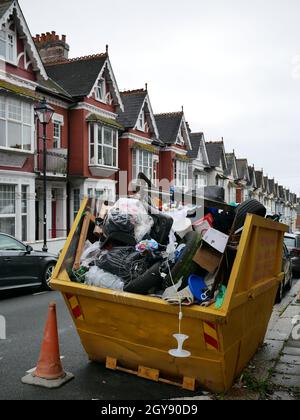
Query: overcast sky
233, 64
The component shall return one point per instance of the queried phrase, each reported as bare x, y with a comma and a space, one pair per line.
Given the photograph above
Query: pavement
274, 373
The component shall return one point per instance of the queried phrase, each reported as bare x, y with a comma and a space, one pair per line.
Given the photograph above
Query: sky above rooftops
233, 64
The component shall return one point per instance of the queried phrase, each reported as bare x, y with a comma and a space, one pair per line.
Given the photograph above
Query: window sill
100, 170
18, 151
11, 63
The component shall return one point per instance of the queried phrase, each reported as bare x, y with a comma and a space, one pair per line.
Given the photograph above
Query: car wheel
279, 295
48, 275
248, 207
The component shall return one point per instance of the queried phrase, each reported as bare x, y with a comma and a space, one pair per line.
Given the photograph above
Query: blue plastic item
198, 287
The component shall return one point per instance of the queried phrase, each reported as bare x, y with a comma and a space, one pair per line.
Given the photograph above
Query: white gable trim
94, 110
147, 101
205, 151
224, 156
114, 83
24, 28
187, 139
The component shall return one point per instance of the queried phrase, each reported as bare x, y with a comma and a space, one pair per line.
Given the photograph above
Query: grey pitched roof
168, 126
133, 101
259, 178
252, 176
271, 186
230, 158
196, 139
77, 76
266, 184
215, 152
53, 87
4, 5
242, 167
281, 192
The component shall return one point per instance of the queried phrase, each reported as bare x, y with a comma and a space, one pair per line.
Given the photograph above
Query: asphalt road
25, 314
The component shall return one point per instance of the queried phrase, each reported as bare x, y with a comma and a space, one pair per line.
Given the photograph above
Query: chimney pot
63, 38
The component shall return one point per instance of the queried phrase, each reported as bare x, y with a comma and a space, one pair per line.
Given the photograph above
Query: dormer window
101, 90
8, 45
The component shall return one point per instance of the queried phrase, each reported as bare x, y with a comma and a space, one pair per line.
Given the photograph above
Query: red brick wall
166, 165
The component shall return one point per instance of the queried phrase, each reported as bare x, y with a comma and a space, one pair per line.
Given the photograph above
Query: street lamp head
44, 112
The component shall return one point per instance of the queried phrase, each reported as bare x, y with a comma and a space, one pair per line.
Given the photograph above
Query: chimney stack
51, 47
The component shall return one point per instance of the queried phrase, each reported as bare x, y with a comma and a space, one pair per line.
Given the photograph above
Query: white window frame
181, 174
57, 139
9, 33
13, 215
95, 129
104, 93
5, 100
139, 156
180, 138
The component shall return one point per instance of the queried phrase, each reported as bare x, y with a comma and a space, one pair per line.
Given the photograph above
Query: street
25, 313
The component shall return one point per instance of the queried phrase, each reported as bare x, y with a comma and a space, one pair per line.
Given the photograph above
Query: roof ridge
196, 133
214, 142
132, 92
76, 59
168, 114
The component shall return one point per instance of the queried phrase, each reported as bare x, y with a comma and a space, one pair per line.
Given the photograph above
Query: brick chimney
52, 47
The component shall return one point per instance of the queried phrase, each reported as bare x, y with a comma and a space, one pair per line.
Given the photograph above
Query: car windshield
290, 242
10, 244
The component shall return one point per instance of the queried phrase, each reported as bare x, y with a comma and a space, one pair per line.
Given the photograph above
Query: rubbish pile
133, 247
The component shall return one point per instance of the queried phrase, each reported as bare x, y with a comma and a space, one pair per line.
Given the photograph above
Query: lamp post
44, 113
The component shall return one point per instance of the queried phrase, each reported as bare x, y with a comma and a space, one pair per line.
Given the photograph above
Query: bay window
145, 162
16, 124
200, 180
103, 146
8, 45
181, 174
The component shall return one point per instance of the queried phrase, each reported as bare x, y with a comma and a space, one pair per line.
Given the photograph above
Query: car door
18, 268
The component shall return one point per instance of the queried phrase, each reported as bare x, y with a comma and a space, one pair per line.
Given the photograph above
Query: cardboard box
216, 239
208, 258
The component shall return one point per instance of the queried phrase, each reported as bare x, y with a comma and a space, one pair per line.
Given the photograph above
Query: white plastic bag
99, 278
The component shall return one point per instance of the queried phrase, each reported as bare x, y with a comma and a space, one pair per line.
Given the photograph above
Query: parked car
21, 266
292, 242
288, 274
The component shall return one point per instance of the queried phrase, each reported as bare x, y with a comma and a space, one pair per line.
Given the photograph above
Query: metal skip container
134, 333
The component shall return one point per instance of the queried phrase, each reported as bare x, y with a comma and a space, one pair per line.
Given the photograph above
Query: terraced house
97, 134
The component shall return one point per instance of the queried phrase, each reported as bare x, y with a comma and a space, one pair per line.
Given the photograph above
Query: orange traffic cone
49, 371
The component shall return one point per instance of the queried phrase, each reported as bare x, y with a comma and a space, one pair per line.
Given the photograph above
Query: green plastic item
79, 275
220, 297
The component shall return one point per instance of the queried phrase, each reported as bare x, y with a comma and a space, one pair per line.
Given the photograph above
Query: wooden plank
147, 373
82, 240
189, 384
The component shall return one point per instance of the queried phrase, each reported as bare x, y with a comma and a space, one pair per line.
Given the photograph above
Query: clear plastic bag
134, 210
91, 253
100, 278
